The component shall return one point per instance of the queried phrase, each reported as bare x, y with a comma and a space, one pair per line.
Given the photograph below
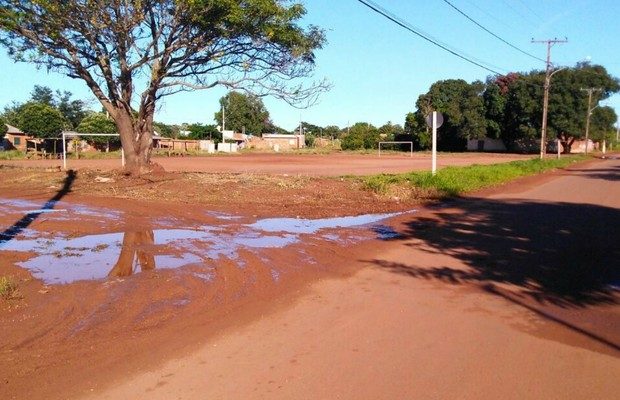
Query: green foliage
72, 110
204, 132
244, 111
132, 53
462, 106
12, 155
3, 127
8, 288
417, 131
362, 135
98, 123
390, 131
602, 123
39, 120
331, 131
509, 107
43, 95
452, 181
170, 131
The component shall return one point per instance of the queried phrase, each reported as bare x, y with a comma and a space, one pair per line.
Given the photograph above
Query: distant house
15, 139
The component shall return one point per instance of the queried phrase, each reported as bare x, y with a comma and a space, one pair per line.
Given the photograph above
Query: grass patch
8, 288
452, 181
12, 155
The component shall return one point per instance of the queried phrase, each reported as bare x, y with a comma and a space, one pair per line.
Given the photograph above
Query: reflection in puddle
61, 260
134, 255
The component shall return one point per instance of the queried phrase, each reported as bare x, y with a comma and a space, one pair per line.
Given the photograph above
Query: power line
530, 10
403, 24
508, 25
491, 33
519, 13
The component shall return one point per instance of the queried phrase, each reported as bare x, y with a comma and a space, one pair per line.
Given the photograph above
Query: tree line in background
510, 108
506, 107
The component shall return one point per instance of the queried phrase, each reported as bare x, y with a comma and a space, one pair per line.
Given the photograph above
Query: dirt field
243, 286
312, 165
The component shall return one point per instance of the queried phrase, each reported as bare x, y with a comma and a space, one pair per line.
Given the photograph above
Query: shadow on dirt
29, 218
609, 174
560, 253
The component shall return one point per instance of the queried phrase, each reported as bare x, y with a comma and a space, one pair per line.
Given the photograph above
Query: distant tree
602, 123
521, 99
204, 132
463, 109
39, 120
3, 127
243, 111
331, 131
99, 123
389, 131
568, 103
170, 131
43, 95
362, 135
417, 130
73, 110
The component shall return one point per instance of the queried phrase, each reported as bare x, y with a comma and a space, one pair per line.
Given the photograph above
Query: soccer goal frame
66, 135
398, 142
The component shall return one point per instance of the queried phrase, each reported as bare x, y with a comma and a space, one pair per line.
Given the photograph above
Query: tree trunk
136, 140
567, 142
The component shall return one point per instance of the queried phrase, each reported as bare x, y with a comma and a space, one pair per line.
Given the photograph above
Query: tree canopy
165, 46
3, 127
361, 135
509, 107
244, 112
39, 120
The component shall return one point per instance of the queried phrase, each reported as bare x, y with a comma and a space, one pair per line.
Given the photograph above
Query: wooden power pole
589, 113
548, 74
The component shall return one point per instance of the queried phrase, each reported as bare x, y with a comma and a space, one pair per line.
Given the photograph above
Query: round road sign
429, 119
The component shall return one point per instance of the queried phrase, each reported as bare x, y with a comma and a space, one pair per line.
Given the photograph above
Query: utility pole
589, 113
548, 74
223, 119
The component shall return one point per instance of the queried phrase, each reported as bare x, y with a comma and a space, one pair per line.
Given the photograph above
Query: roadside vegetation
12, 155
8, 288
453, 181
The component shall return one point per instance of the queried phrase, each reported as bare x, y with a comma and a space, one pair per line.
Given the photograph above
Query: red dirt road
292, 164
502, 296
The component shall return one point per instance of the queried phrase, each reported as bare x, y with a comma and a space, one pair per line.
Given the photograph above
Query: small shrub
7, 288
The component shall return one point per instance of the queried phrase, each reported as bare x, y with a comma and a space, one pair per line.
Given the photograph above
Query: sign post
434, 120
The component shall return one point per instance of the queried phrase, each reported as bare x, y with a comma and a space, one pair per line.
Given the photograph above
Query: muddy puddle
58, 258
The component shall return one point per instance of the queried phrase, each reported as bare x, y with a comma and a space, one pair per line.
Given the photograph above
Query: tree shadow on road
561, 253
608, 174
29, 218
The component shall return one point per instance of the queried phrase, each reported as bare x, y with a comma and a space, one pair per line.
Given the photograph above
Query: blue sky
378, 69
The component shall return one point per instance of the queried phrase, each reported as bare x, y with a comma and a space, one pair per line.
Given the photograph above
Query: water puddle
62, 259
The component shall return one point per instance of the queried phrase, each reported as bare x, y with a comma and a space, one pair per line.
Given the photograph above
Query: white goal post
410, 146
66, 135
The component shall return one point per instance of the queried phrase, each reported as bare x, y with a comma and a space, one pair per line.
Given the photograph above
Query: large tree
462, 106
39, 120
73, 110
243, 112
164, 46
514, 105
